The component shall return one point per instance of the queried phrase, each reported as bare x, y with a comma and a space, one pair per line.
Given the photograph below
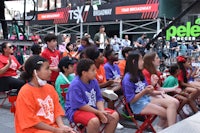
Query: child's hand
178, 90
149, 89
154, 79
67, 129
102, 116
63, 130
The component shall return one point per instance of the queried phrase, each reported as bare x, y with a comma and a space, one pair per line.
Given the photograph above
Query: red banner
136, 9
50, 16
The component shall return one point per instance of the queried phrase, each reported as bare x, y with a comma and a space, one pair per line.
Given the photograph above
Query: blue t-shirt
112, 71
130, 88
80, 94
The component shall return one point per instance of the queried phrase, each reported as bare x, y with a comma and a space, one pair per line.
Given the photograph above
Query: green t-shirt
60, 81
170, 81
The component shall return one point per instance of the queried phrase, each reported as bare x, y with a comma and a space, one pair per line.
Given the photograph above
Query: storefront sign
184, 32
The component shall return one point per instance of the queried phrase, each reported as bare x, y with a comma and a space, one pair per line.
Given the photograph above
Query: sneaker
187, 110
110, 94
119, 126
157, 128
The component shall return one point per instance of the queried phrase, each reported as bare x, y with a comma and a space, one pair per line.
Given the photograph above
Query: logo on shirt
54, 61
47, 108
100, 77
140, 86
13, 65
91, 97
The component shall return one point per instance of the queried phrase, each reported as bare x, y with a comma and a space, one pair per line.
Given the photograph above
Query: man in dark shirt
2, 19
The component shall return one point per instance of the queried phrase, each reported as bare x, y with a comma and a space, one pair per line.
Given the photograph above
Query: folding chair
4, 96
147, 122
76, 126
12, 97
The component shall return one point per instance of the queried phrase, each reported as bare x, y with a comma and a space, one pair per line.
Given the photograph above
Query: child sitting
143, 99
66, 66
84, 103
37, 106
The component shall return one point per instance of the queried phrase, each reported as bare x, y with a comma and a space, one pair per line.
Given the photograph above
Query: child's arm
148, 90
62, 126
44, 126
169, 89
100, 105
106, 84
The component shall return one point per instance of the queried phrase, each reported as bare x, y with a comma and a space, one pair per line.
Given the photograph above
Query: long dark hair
184, 71
132, 67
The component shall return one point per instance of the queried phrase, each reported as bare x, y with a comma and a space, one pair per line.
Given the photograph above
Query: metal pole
81, 30
24, 21
120, 29
56, 29
158, 26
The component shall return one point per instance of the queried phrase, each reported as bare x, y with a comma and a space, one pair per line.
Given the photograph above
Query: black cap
65, 61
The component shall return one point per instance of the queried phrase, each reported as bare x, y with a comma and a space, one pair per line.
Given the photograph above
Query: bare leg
171, 104
156, 110
111, 126
93, 125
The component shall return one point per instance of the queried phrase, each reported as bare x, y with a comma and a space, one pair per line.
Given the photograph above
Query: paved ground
7, 121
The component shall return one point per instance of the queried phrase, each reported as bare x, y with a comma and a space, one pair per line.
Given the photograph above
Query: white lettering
102, 12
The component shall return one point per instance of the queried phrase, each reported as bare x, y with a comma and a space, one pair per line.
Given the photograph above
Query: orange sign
136, 9
50, 16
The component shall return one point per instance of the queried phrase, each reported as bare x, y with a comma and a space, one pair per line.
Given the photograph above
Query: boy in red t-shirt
52, 55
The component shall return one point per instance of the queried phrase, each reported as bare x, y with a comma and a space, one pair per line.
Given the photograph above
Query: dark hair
182, 68
65, 62
67, 46
173, 69
36, 49
87, 40
3, 45
132, 67
33, 63
101, 27
126, 50
108, 51
148, 65
92, 53
84, 65
50, 37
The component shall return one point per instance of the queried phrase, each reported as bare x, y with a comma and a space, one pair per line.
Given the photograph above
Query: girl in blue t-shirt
84, 103
143, 99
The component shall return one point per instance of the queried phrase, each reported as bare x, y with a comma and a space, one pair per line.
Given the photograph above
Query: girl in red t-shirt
151, 62
191, 88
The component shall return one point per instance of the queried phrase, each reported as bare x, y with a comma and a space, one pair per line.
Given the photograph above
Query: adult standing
126, 42
2, 19
8, 69
141, 43
100, 39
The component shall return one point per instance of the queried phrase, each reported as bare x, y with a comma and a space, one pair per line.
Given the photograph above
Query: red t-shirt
147, 76
53, 57
13, 67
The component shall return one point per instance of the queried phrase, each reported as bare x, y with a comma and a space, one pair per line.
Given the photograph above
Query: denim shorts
140, 104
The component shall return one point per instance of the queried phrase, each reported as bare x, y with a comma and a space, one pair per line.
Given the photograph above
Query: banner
135, 9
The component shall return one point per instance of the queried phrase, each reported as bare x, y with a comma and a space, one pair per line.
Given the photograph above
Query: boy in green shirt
66, 75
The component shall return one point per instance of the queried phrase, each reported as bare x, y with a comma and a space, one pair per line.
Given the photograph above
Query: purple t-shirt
79, 94
81, 48
112, 71
131, 89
